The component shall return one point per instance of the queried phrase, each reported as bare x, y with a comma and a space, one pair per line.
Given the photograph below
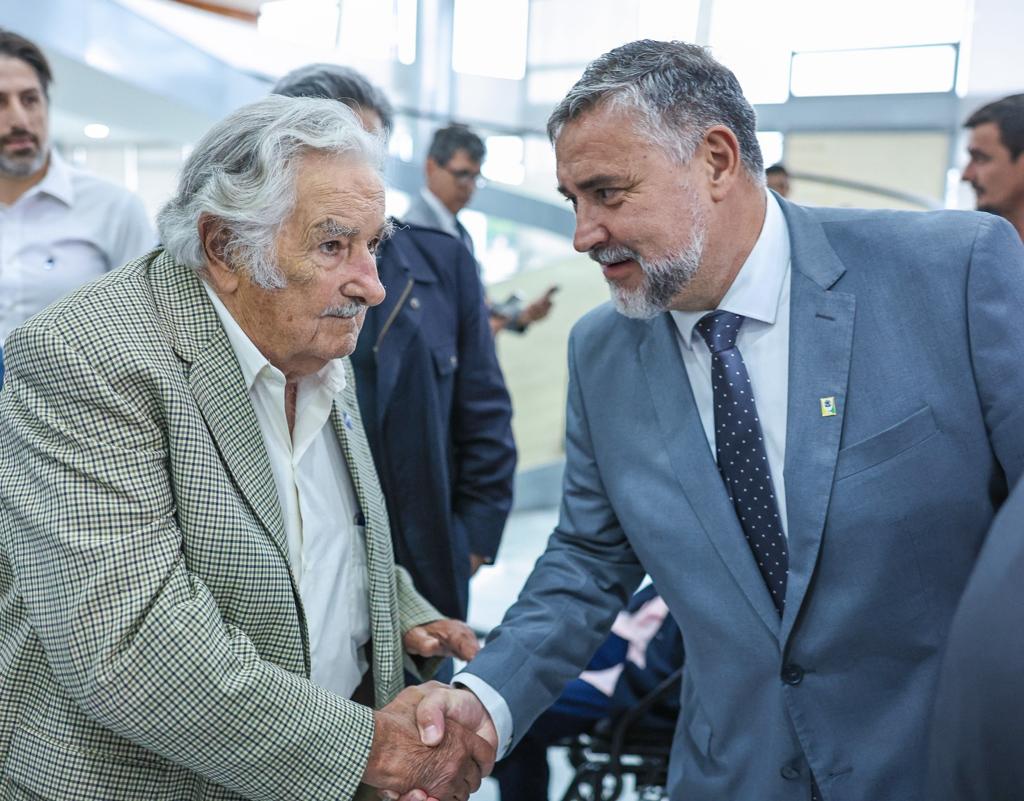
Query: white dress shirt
760, 292
66, 230
322, 521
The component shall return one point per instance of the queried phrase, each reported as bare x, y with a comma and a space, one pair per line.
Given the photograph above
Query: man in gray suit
800, 422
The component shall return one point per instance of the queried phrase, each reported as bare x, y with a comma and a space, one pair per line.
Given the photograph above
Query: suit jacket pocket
446, 360
887, 444
56, 770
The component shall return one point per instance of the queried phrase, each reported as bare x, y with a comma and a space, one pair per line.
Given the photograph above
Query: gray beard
20, 168
663, 280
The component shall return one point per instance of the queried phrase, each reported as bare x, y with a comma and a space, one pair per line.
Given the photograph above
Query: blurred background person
59, 226
977, 733
996, 170
432, 396
777, 178
453, 175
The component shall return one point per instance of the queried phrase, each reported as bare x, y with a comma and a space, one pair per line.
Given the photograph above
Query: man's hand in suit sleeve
451, 767
441, 705
444, 637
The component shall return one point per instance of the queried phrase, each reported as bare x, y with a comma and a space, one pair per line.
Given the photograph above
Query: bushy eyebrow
331, 227
387, 230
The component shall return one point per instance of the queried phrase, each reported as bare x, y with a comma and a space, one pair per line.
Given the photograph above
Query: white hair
243, 172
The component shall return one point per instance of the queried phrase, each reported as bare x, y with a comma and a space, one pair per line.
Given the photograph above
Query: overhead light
97, 130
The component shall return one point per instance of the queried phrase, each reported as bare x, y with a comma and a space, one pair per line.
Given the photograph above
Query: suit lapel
402, 314
384, 623
219, 389
820, 347
681, 432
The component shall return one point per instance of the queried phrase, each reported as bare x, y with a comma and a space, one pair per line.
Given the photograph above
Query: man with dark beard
996, 169
798, 421
59, 226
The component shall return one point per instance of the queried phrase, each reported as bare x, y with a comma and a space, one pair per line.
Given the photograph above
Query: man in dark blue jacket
431, 393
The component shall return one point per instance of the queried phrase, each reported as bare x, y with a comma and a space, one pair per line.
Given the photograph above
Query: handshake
431, 742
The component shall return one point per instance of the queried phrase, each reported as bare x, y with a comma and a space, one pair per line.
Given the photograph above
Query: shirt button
414, 303
789, 772
792, 674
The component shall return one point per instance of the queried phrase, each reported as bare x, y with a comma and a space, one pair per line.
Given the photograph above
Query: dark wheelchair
623, 746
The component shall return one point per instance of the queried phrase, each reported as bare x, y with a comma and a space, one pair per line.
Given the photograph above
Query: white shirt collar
57, 181
443, 213
253, 362
757, 288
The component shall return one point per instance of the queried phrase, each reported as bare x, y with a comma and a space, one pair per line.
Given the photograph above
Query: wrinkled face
638, 211
325, 251
998, 180
455, 182
24, 123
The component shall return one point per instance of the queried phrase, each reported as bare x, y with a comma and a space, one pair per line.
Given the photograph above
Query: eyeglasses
466, 177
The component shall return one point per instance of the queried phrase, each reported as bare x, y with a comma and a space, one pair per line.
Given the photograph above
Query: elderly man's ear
214, 236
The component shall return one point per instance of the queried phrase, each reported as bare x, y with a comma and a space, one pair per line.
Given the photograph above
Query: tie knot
720, 329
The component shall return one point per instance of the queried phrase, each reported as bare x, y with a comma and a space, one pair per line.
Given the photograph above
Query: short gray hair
337, 82
243, 171
679, 92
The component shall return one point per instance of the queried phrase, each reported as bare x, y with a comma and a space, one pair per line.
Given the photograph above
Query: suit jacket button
414, 303
789, 772
792, 674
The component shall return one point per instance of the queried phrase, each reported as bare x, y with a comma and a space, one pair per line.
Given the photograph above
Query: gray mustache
611, 255
346, 312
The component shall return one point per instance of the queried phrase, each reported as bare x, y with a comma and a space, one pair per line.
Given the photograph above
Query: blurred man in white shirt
59, 226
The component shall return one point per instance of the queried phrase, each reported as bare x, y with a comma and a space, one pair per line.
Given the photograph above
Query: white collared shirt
66, 230
319, 508
760, 292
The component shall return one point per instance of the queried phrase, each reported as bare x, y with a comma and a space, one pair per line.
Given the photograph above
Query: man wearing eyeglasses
453, 175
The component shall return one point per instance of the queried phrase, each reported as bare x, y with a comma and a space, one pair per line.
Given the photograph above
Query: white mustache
346, 312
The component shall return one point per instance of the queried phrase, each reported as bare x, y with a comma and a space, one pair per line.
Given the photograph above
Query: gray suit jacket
152, 638
422, 213
912, 323
977, 745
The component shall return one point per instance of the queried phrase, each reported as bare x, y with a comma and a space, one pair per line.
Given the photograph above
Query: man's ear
214, 237
721, 153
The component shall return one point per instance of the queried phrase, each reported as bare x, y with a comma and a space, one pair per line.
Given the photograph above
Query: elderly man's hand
450, 769
445, 637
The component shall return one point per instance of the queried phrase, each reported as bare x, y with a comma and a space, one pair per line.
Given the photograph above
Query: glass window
891, 70
757, 41
477, 50
504, 161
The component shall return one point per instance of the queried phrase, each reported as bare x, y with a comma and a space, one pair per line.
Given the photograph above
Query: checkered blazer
152, 639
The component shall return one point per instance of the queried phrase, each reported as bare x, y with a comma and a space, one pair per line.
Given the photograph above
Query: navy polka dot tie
739, 446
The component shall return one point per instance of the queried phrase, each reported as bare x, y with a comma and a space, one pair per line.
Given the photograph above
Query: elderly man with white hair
198, 598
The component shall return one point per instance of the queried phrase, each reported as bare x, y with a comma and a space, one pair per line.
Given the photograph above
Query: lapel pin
828, 407
346, 418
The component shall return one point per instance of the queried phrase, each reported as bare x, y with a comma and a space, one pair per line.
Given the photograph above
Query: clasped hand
432, 743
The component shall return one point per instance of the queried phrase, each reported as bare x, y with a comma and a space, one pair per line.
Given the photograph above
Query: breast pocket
446, 360
887, 444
